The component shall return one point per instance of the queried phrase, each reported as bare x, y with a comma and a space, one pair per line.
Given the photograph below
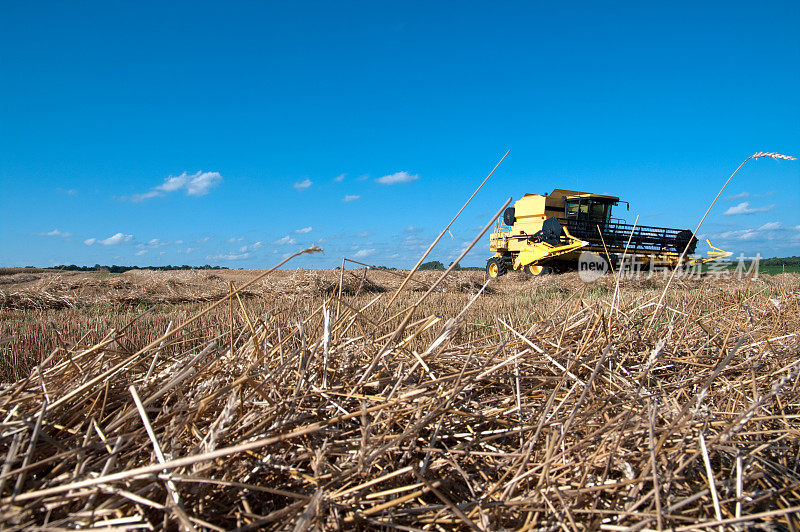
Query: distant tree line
438, 266
434, 265
780, 261
121, 269
792, 263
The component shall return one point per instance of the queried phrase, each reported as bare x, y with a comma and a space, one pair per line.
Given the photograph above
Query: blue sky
233, 133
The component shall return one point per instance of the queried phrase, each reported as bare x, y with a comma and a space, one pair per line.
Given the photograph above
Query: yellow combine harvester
546, 233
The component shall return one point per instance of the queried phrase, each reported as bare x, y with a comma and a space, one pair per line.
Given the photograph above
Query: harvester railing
644, 238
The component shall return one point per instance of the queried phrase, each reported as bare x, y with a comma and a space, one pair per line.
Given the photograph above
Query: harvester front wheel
495, 267
536, 271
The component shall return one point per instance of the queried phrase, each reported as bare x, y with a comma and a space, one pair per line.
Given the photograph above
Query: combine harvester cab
546, 233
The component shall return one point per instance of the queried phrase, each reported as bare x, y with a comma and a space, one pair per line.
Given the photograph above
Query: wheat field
303, 402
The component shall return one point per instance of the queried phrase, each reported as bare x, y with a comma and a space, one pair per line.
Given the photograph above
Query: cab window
588, 209
572, 209
598, 212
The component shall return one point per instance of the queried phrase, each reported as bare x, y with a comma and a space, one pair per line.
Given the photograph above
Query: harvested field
537, 404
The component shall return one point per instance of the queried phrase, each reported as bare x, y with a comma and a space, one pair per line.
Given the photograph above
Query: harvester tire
685, 240
495, 267
537, 271
551, 231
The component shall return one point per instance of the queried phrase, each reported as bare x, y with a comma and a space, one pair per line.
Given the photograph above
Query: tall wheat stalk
756, 155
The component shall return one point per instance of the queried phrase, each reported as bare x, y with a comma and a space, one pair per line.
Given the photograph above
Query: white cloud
744, 234
744, 208
198, 184
113, 240
244, 252
116, 239
397, 177
304, 184
141, 252
235, 239
303, 230
339, 178
771, 226
412, 240
350, 197
363, 234
251, 247
204, 240
155, 243
285, 241
230, 256
141, 197
361, 253
56, 232
741, 195
768, 231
